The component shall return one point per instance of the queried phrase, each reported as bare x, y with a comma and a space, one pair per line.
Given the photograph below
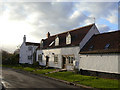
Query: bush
9, 59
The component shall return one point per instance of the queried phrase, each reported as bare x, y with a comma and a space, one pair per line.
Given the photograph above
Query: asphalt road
18, 79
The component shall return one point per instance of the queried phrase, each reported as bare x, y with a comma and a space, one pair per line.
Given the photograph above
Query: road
19, 79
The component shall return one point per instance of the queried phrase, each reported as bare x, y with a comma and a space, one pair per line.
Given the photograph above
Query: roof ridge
107, 32
76, 29
31, 42
72, 30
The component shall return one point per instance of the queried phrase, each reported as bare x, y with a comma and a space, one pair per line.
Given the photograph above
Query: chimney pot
48, 35
24, 38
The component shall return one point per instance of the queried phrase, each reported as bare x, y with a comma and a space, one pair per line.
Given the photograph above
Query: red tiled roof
31, 43
77, 35
100, 41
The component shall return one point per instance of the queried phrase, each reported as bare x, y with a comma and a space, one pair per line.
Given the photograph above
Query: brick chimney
48, 35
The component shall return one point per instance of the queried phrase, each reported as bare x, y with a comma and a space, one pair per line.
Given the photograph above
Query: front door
64, 62
47, 60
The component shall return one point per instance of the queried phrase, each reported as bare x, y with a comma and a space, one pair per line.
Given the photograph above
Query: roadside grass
85, 80
28, 69
43, 71
31, 69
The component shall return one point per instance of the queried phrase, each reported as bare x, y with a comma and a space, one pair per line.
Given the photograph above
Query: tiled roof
103, 43
77, 35
31, 43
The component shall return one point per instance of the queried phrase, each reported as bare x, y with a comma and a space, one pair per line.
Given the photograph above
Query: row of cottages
83, 48
62, 50
101, 53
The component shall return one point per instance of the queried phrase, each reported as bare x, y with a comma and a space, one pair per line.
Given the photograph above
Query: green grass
28, 69
31, 69
72, 77
43, 71
85, 80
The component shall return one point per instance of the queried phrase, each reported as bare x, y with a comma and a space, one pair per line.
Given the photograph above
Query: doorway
47, 60
63, 62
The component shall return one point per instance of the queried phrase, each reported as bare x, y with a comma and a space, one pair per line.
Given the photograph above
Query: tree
9, 59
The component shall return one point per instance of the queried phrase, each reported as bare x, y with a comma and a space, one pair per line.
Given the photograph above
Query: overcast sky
36, 19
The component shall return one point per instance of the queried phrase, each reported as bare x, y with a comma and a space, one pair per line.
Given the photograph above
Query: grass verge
31, 69
85, 80
72, 77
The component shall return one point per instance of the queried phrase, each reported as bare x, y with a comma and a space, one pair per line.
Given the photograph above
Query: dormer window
41, 44
68, 38
57, 41
107, 46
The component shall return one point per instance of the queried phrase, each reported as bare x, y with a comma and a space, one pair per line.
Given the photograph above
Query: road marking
6, 84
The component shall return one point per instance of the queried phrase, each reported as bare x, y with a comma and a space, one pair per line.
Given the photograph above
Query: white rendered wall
59, 51
71, 51
48, 52
24, 53
91, 32
100, 62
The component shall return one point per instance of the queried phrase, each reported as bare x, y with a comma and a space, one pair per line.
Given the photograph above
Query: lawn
85, 80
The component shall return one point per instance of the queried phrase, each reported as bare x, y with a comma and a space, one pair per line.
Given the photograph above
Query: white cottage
27, 51
62, 50
101, 54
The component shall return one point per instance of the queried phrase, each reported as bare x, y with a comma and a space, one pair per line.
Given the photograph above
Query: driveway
20, 79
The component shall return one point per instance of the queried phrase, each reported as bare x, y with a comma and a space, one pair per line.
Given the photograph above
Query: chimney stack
48, 35
24, 38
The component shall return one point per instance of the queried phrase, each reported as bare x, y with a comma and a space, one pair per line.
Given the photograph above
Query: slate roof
103, 43
76, 34
32, 43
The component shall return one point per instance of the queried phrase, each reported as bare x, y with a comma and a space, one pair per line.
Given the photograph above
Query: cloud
56, 17
113, 18
38, 18
100, 10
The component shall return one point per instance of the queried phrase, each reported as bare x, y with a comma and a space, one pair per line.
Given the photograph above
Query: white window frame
56, 59
41, 44
40, 57
57, 41
68, 38
29, 57
70, 59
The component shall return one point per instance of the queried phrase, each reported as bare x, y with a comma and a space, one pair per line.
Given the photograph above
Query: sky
35, 19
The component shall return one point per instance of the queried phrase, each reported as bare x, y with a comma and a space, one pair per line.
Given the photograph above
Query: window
30, 57
70, 59
30, 48
41, 44
40, 57
107, 46
51, 43
68, 39
57, 41
56, 58
91, 48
